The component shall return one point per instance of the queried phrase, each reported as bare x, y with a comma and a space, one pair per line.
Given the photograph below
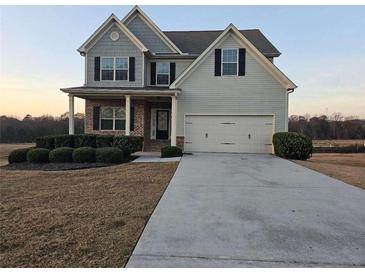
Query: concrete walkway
225, 210
153, 157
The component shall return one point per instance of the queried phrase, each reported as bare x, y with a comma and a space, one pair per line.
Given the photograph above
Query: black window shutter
132, 61
97, 68
153, 73
241, 62
218, 62
132, 118
96, 116
172, 72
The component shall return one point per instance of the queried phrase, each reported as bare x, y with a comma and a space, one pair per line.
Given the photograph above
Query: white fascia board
277, 73
152, 25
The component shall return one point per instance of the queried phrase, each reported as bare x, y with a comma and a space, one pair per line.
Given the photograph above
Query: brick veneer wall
180, 142
139, 107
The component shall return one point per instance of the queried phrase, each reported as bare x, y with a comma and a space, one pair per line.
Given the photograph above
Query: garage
229, 133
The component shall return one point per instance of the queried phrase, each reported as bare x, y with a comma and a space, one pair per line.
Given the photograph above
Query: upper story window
114, 68
112, 118
229, 61
162, 73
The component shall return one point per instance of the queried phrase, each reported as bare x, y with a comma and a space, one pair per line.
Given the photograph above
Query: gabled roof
269, 66
195, 42
104, 28
136, 10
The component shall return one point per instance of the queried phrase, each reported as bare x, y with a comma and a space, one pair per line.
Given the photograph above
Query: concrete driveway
240, 210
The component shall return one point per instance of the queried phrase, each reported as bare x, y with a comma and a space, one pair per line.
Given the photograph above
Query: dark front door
162, 124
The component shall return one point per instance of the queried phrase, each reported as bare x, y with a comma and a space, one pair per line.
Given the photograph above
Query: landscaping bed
52, 166
77, 218
67, 152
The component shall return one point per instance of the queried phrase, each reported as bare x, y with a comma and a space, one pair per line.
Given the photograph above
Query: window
112, 118
107, 68
121, 68
114, 68
229, 61
162, 73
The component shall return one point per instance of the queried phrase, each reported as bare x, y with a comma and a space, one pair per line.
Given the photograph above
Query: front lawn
79, 218
347, 167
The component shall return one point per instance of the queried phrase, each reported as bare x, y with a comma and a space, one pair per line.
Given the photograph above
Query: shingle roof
195, 42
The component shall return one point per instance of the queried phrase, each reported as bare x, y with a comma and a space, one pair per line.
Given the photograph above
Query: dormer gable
109, 23
148, 32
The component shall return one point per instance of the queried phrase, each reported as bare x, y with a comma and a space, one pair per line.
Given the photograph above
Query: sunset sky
323, 51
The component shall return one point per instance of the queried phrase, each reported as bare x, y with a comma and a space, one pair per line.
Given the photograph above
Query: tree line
26, 130
14, 130
323, 127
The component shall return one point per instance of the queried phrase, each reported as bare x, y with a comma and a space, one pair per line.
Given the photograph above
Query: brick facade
139, 118
180, 142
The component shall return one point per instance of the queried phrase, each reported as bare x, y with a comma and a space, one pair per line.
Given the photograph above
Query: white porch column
71, 123
127, 115
173, 120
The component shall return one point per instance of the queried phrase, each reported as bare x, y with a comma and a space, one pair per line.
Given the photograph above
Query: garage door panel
236, 133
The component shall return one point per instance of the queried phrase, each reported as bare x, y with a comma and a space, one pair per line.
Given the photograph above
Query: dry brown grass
349, 168
5, 149
338, 143
80, 218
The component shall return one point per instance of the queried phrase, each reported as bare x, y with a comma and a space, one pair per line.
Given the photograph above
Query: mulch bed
57, 166
52, 166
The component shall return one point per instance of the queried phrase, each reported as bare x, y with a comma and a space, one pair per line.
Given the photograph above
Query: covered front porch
147, 112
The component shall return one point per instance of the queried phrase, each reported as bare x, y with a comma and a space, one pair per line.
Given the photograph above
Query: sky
323, 51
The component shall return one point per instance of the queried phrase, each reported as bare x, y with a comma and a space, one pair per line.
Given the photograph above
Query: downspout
290, 90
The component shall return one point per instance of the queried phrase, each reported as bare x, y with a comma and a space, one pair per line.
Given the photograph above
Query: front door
162, 124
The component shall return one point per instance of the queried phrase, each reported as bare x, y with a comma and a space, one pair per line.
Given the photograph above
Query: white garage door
229, 133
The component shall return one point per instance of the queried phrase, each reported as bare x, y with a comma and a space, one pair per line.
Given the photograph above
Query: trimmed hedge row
111, 155
19, 155
84, 155
292, 145
129, 144
38, 156
61, 155
104, 140
171, 151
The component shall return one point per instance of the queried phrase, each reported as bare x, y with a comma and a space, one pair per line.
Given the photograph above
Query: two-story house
209, 91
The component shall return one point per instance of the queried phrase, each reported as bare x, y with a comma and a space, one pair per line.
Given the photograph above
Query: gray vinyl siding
146, 35
123, 47
256, 92
181, 66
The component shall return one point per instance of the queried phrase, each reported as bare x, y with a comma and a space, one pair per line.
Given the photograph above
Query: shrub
135, 143
84, 155
38, 156
110, 155
19, 155
122, 143
292, 145
171, 151
61, 155
128, 144
84, 140
104, 140
45, 142
64, 140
